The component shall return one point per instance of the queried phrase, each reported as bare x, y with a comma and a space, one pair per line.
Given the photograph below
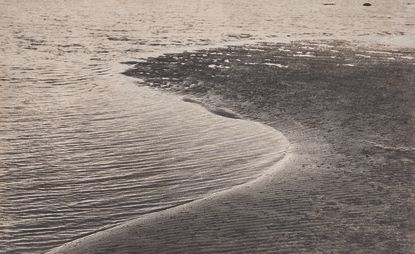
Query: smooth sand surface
345, 186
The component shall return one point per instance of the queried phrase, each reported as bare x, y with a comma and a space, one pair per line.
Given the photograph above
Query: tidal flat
347, 183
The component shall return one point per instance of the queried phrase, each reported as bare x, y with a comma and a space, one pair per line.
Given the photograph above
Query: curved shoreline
334, 192
86, 244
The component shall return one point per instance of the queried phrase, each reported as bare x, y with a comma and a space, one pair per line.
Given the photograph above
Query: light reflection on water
81, 147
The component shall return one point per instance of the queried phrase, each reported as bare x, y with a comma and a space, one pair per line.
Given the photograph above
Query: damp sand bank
347, 184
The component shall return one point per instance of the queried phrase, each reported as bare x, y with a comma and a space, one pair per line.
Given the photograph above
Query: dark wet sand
348, 183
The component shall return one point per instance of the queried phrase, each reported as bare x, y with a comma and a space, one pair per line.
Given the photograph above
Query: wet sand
347, 183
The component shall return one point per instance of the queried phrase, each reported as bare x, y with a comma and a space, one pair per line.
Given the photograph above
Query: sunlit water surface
83, 147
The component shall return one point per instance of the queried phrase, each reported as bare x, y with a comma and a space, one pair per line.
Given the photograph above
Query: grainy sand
346, 185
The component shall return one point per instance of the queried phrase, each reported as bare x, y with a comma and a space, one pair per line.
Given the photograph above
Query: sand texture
345, 186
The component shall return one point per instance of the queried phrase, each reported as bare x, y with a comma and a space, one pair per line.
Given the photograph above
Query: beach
346, 183
200, 126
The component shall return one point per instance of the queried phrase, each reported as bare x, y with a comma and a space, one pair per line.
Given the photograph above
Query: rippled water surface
83, 147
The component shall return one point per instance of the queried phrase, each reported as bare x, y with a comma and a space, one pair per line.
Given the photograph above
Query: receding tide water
83, 147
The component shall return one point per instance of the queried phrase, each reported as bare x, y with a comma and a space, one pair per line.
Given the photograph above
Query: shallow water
82, 147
